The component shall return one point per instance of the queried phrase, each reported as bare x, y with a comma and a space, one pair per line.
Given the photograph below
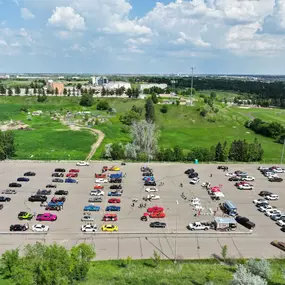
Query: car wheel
205, 229
9, 199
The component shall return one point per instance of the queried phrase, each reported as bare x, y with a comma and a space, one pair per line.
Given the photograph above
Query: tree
178, 153
219, 152
10, 91
56, 91
129, 92
64, 92
213, 95
9, 261
129, 117
224, 252
149, 111
103, 105
225, 152
103, 91
2, 89
86, 100
68, 92
164, 109
117, 151
17, 90
154, 98
243, 277
78, 86
27, 91
138, 110
7, 143
35, 91
131, 151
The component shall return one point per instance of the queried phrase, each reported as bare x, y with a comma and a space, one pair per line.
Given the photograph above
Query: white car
153, 197
101, 180
89, 228
248, 178
40, 228
280, 223
97, 193
198, 207
230, 174
259, 201
195, 203
193, 200
272, 212
245, 187
151, 189
271, 174
272, 197
87, 218
278, 170
265, 208
82, 163
194, 180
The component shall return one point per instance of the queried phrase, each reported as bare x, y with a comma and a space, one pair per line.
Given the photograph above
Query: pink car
46, 217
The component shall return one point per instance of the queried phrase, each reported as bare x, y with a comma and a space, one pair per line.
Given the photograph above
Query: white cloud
66, 17
77, 47
3, 43
26, 14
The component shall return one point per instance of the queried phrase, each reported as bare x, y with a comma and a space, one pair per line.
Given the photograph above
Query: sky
142, 36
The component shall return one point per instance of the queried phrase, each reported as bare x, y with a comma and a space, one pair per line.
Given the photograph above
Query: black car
53, 208
24, 179
115, 180
37, 198
157, 225
234, 178
30, 173
190, 170
265, 193
58, 180
245, 222
116, 186
147, 174
149, 183
57, 174
275, 179
51, 186
95, 200
18, 228
59, 170
5, 199
43, 192
193, 175
14, 184
61, 192
223, 167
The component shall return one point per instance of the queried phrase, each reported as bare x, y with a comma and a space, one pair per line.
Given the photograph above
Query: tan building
52, 86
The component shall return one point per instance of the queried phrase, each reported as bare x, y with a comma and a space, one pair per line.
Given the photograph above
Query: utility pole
192, 68
175, 249
282, 155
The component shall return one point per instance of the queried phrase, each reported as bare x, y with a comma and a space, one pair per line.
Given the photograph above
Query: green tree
40, 91
35, 91
17, 90
86, 100
117, 151
64, 92
56, 91
149, 111
10, 91
154, 98
213, 95
129, 117
219, 152
69, 92
178, 153
103, 105
27, 91
103, 91
164, 109
129, 92
9, 261
225, 152
78, 86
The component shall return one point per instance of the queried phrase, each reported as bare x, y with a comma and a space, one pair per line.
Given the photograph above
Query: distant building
117, 85
99, 81
4, 76
52, 86
148, 86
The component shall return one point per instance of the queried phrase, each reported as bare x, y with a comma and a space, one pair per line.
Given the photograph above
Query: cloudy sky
143, 36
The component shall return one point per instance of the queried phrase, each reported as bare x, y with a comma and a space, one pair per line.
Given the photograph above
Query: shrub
244, 277
86, 100
164, 109
261, 268
103, 105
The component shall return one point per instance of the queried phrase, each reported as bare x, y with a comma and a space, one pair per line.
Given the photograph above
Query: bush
86, 100
203, 112
261, 268
164, 109
243, 277
103, 105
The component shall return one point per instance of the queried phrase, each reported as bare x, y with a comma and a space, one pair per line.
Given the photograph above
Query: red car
110, 217
72, 174
73, 170
98, 186
241, 183
114, 200
58, 199
155, 209
102, 175
156, 215
105, 168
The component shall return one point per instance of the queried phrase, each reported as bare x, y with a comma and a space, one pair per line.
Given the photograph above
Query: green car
25, 216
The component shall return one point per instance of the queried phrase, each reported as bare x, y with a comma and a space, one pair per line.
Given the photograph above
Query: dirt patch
13, 125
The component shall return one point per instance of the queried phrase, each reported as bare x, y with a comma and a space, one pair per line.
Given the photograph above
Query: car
5, 199
9, 191
58, 180
278, 170
101, 180
115, 193
147, 174
14, 184
190, 170
95, 200
23, 179
37, 198
155, 209
264, 193
282, 229
248, 178
110, 217
156, 215
245, 222
91, 208
241, 183
275, 179
72, 174
245, 187
198, 226
272, 197
115, 180
114, 168
74, 170
89, 228
271, 212
259, 201
194, 180
230, 174
19, 228
265, 208
281, 222
53, 207
105, 168
114, 201
277, 217
57, 174
97, 193
278, 244
234, 178
51, 186
25, 216
157, 225
100, 175
148, 178
43, 192
109, 228
151, 189
1, 206
46, 217
29, 173
61, 192
98, 186
58, 199
113, 208
40, 228
70, 180
223, 167
149, 183
82, 163
151, 197
87, 218
59, 170
271, 175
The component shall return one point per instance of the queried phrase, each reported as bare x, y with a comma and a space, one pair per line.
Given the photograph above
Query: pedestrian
211, 175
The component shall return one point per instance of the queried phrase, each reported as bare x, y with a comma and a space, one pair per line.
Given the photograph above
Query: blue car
60, 204
148, 178
91, 208
116, 194
70, 180
113, 208
24, 179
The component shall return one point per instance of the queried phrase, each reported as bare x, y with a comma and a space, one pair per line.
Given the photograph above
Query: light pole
192, 68
175, 246
282, 155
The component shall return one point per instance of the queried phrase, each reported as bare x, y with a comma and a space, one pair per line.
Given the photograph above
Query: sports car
110, 217
74, 170
157, 225
109, 228
89, 228
157, 215
113, 208
29, 173
70, 180
114, 201
40, 228
115, 193
46, 217
9, 191
57, 174
61, 192
98, 186
95, 200
87, 218
72, 174
91, 208
23, 179
155, 209
25, 216
151, 189
19, 228
14, 184
101, 180
51, 186
82, 163
114, 168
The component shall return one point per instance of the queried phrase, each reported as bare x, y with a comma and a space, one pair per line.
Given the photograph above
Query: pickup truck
198, 226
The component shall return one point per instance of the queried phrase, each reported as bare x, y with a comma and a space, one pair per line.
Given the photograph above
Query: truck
225, 224
199, 226
245, 222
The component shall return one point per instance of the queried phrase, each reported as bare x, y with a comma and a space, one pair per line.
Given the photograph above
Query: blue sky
142, 36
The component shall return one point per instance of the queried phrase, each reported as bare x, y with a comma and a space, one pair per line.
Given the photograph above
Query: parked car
149, 183
193, 175
25, 216
37, 198
241, 183
278, 244
245, 187
9, 191
89, 228
5, 199
281, 223
70, 180
271, 212
230, 174
265, 193
19, 228
156, 215
61, 192
264, 208
113, 208
57, 174
51, 186
82, 163
72, 174
248, 178
151, 197
277, 217
43, 192
46, 217
97, 193
272, 197
23, 179
155, 209
58, 199
115, 193
114, 201
59, 170
157, 225
109, 228
40, 228
115, 180
190, 170
95, 200
87, 218
29, 173
14, 184
278, 170
223, 167
110, 217
91, 208
259, 201
194, 180
101, 180
58, 180
116, 186
245, 222
275, 179
198, 226
151, 189
147, 174
235, 178
53, 207
74, 170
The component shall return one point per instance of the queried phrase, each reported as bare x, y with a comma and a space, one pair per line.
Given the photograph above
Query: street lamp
192, 68
282, 155
175, 246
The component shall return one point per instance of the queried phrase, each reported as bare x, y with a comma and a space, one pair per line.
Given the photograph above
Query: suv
275, 179
245, 222
5, 199
59, 170
61, 192
57, 174
37, 198
149, 183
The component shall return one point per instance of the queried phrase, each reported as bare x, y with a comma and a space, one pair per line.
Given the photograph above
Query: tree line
7, 145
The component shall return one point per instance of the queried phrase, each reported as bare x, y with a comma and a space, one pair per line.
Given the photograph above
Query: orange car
157, 215
98, 186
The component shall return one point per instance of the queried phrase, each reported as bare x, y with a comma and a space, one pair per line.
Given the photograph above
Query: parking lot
134, 237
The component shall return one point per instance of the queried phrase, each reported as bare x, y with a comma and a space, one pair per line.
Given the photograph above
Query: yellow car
109, 228
115, 168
